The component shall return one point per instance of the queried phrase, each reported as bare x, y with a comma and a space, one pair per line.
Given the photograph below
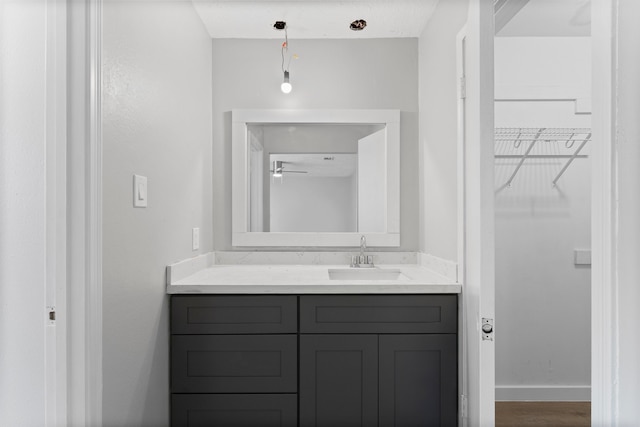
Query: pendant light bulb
286, 87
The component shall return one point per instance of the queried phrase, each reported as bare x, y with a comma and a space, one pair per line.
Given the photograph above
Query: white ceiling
313, 19
551, 18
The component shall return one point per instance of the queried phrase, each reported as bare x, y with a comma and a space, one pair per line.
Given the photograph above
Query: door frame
604, 286
476, 214
82, 358
462, 314
604, 329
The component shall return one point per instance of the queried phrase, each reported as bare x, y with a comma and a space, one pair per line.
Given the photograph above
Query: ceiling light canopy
358, 25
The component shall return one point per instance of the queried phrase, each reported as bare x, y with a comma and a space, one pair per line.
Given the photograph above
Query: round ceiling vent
358, 25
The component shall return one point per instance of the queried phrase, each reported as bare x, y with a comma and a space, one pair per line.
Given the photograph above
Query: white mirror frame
241, 234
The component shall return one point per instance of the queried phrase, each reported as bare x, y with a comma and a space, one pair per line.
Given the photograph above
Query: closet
542, 187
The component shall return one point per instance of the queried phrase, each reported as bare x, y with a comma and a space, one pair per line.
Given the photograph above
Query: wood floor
552, 414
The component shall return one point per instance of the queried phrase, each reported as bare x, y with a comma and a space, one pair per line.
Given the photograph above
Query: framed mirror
315, 178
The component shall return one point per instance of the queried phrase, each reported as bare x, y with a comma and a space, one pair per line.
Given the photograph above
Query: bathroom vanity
314, 360
363, 352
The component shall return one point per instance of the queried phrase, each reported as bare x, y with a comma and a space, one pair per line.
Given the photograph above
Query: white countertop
306, 279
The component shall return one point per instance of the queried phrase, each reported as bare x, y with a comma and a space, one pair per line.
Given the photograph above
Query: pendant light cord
285, 47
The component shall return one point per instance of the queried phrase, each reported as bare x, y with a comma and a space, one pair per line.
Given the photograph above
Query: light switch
195, 238
139, 191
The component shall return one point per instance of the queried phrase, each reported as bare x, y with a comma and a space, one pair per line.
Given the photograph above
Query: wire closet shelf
523, 140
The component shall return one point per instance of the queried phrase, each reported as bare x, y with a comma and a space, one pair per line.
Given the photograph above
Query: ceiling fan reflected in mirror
278, 169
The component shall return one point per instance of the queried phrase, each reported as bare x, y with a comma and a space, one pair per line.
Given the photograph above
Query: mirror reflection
306, 177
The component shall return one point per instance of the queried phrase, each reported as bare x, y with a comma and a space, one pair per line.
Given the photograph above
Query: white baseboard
543, 393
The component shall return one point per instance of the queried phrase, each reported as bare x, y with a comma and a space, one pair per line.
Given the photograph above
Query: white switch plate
195, 238
139, 191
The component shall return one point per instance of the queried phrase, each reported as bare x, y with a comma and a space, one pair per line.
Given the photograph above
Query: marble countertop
303, 279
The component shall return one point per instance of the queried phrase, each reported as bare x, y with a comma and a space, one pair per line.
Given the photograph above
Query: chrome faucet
362, 261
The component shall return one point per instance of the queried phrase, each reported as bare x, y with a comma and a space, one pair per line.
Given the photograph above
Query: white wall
157, 123
439, 131
22, 213
318, 204
628, 211
373, 73
542, 299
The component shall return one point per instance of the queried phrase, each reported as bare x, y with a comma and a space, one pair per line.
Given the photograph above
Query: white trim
84, 216
299, 239
604, 330
242, 236
463, 377
94, 216
540, 393
315, 116
56, 212
479, 266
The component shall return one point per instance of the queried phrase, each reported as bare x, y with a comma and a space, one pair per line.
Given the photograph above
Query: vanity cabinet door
234, 410
338, 380
418, 380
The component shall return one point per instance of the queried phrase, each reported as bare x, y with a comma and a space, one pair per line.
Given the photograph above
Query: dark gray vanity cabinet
378, 360
234, 361
314, 360
338, 380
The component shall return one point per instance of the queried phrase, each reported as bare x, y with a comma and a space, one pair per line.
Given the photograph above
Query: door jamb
462, 317
604, 329
84, 213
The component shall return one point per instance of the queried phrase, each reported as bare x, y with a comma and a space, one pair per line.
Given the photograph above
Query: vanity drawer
427, 314
239, 410
213, 314
234, 364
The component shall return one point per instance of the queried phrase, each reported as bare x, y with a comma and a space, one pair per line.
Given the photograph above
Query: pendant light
285, 87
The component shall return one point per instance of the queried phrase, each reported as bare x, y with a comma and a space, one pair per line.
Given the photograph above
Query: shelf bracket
575, 155
524, 157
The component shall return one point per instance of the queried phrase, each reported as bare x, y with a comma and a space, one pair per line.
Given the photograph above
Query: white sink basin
365, 274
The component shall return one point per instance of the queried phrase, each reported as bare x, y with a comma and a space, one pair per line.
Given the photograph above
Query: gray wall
157, 123
438, 130
374, 73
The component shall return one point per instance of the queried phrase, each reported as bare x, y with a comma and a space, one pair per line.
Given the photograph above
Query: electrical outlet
195, 238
